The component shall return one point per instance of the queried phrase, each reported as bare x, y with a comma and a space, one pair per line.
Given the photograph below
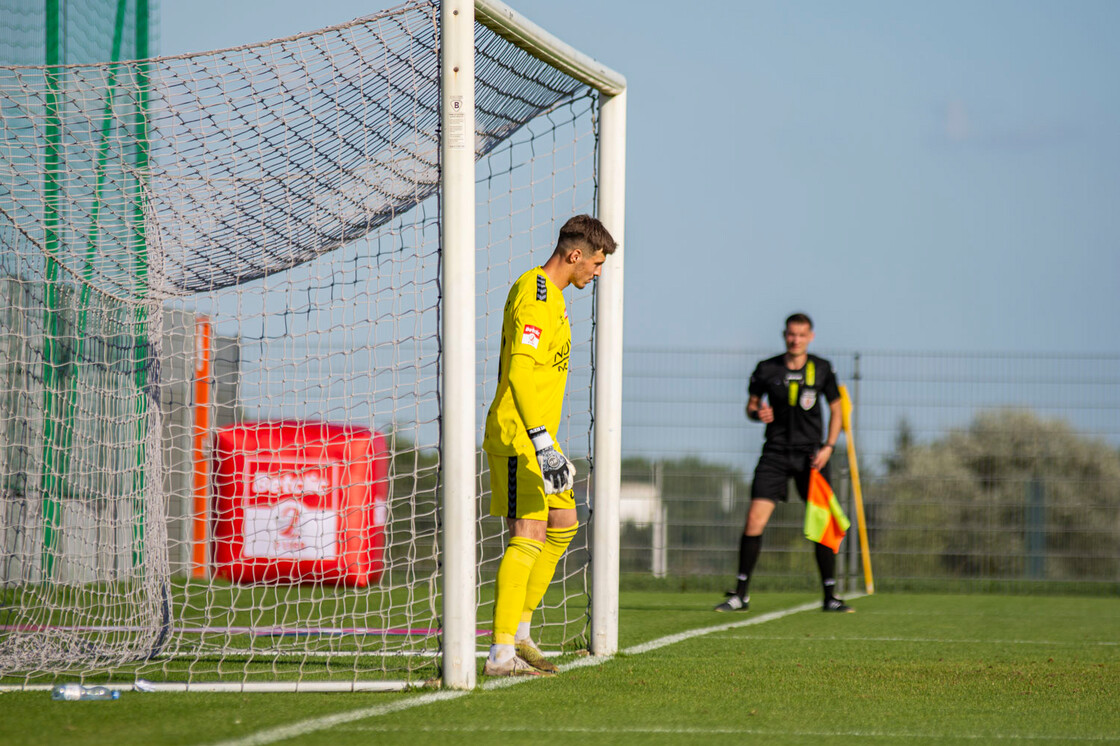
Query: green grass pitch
934, 669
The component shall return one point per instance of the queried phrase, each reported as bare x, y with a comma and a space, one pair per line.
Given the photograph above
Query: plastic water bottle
75, 692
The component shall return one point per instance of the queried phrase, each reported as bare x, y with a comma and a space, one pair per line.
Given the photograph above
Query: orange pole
202, 335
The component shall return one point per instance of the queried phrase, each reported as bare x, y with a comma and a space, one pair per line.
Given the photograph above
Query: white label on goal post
290, 530
456, 124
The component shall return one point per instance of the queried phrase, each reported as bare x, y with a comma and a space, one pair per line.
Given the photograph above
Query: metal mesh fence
977, 470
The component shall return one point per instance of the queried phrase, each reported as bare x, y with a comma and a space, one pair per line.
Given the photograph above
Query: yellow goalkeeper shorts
517, 488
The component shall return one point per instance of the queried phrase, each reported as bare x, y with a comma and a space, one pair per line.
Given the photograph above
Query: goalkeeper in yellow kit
530, 477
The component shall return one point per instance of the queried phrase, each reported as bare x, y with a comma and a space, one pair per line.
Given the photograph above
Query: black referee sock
749, 549
826, 561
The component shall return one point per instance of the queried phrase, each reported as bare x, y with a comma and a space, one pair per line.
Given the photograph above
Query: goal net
220, 346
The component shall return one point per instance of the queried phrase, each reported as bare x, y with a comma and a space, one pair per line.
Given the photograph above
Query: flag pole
857, 492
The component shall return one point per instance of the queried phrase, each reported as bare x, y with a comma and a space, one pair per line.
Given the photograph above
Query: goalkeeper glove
558, 472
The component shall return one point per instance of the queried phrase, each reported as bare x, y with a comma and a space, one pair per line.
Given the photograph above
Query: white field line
326, 722
945, 640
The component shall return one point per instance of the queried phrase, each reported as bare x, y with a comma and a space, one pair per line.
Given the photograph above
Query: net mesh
84, 31
220, 323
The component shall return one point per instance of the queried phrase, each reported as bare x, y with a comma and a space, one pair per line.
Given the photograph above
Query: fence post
856, 399
847, 559
1036, 530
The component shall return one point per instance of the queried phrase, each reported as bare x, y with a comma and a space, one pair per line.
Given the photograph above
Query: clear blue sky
916, 176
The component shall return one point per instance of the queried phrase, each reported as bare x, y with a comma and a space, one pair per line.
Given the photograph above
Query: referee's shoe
734, 603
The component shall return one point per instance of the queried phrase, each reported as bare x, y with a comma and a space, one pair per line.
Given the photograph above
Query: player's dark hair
800, 318
584, 229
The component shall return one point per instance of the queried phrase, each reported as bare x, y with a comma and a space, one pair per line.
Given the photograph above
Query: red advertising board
299, 502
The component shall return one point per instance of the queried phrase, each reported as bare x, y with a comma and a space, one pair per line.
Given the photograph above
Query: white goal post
250, 303
460, 429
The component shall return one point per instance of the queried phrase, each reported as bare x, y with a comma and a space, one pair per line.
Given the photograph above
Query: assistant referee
785, 393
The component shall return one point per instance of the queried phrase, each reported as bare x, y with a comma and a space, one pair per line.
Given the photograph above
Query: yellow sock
556, 543
518, 561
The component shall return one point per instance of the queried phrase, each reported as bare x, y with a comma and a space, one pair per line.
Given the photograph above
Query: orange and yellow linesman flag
825, 522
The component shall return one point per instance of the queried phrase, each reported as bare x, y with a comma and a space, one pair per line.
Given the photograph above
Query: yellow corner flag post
857, 492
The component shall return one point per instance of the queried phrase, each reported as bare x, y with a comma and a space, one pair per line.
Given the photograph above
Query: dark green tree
1011, 495
903, 443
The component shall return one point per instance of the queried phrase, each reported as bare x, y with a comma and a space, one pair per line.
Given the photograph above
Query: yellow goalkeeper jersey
535, 323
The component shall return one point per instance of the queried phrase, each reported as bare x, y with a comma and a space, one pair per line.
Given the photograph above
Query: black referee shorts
777, 466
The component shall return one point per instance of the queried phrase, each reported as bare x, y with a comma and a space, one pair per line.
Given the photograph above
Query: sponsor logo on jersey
531, 335
560, 359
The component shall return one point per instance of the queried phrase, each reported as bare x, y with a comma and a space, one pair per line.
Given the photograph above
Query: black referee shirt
795, 396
